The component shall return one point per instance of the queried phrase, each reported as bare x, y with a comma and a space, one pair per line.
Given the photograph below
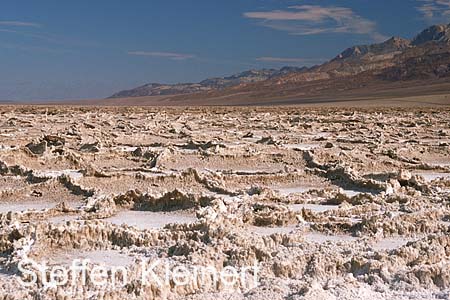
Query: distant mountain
416, 63
251, 76
155, 89
389, 56
394, 44
436, 33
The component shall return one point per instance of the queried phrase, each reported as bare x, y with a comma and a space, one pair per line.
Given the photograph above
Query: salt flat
356, 198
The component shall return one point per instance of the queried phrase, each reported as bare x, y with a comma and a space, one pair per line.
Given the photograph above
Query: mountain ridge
249, 76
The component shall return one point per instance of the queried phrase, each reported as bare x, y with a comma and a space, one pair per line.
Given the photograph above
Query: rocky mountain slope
396, 61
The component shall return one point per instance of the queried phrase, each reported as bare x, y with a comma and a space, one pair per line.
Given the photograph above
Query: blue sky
53, 49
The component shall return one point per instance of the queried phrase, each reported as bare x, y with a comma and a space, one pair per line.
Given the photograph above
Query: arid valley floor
331, 203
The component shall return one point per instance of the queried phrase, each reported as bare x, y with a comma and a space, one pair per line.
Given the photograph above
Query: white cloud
8, 30
314, 19
19, 24
289, 60
43, 37
168, 55
435, 11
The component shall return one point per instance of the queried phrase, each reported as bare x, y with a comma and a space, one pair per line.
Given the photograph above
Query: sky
53, 49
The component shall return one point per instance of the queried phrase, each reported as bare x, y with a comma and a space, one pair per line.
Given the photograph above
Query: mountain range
424, 58
156, 89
